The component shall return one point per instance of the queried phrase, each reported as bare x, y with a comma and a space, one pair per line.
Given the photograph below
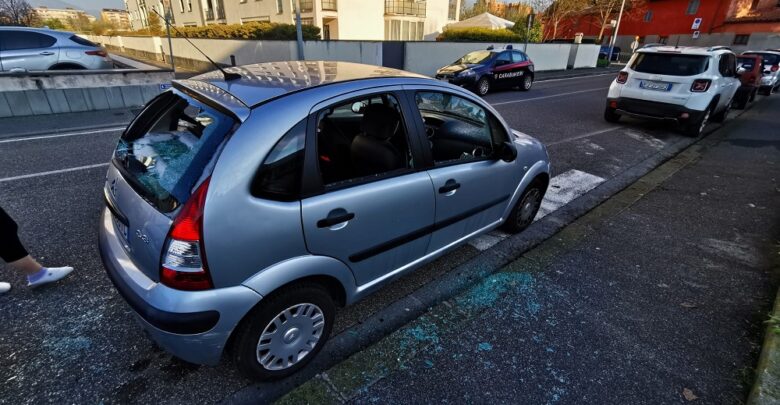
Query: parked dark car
604, 50
482, 71
750, 67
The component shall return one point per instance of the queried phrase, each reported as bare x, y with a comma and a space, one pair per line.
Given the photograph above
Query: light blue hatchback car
243, 208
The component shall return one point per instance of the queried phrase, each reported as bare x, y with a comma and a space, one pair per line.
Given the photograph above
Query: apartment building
120, 19
138, 11
338, 19
62, 14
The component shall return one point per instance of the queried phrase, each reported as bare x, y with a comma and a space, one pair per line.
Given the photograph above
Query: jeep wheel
697, 128
610, 115
284, 332
483, 86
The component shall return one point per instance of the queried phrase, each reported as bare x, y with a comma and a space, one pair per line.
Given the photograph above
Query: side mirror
507, 152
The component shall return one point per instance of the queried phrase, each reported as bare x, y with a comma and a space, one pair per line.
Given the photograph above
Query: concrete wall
757, 41
587, 55
361, 19
62, 92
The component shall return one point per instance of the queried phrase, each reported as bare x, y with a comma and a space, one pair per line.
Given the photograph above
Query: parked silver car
25, 49
244, 210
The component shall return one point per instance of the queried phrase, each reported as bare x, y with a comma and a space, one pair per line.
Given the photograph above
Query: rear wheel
483, 86
528, 81
610, 115
525, 210
753, 95
697, 128
722, 115
742, 101
285, 332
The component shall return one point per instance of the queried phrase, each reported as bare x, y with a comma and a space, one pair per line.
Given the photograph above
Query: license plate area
656, 86
121, 229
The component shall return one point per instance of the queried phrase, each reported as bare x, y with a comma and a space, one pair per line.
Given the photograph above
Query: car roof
261, 82
685, 50
41, 30
763, 52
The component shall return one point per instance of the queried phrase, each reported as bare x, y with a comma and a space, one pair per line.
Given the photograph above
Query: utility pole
168, 27
615, 33
528, 30
299, 29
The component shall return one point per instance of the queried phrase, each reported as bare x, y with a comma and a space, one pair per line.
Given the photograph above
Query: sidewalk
658, 295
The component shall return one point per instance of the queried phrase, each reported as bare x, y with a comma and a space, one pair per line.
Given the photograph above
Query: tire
765, 91
483, 86
695, 129
610, 115
723, 114
301, 306
528, 81
525, 210
742, 102
753, 95
67, 66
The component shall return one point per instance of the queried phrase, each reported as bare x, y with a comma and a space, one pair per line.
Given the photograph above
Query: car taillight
100, 53
622, 77
700, 85
184, 264
775, 68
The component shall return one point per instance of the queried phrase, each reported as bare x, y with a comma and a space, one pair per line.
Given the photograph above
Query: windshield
474, 58
165, 150
669, 64
746, 63
769, 58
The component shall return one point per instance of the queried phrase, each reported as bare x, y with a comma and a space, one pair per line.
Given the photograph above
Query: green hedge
479, 35
250, 30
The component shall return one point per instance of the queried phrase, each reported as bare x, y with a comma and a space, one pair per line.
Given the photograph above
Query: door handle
449, 187
335, 217
46, 53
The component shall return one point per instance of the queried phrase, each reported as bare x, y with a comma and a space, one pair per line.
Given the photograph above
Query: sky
90, 6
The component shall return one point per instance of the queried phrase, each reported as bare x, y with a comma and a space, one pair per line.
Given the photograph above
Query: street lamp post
168, 16
298, 28
614, 34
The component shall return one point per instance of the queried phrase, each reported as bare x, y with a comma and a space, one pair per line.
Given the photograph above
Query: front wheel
483, 86
525, 210
285, 332
528, 81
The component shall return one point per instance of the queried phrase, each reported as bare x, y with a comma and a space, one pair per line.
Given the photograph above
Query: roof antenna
676, 45
227, 75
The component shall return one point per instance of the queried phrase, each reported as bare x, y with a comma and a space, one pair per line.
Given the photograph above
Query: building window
693, 7
189, 5
405, 7
307, 21
741, 39
663, 39
404, 30
306, 6
279, 6
649, 16
452, 14
181, 5
329, 5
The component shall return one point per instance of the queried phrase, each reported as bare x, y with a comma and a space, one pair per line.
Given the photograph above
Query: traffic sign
696, 23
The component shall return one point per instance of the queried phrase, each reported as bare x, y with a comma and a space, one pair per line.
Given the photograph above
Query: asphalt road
79, 342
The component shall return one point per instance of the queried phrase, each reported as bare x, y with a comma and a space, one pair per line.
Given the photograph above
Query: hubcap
290, 336
529, 206
527, 82
483, 87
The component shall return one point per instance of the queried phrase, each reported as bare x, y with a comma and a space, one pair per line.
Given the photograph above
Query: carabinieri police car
482, 71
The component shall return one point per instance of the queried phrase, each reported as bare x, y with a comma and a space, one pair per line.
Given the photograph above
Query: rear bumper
653, 110
191, 325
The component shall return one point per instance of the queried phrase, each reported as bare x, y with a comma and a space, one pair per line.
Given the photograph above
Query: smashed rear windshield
669, 64
167, 147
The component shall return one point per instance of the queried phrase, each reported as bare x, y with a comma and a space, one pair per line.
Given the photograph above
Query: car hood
451, 69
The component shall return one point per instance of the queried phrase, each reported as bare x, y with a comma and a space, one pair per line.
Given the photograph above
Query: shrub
479, 35
250, 30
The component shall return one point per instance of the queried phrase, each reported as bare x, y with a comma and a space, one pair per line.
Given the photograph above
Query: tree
478, 8
17, 12
560, 10
607, 10
155, 24
521, 29
52, 23
101, 27
79, 24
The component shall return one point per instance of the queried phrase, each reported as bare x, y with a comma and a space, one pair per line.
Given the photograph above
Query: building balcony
329, 5
414, 8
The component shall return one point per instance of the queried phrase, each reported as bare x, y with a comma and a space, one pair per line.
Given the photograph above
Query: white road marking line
588, 135
33, 138
575, 77
72, 169
564, 188
550, 96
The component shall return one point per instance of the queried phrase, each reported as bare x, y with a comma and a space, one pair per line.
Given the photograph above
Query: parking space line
575, 77
588, 135
72, 169
33, 138
563, 189
550, 96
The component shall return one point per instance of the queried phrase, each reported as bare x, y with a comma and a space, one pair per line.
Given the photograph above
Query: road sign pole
299, 29
615, 34
168, 16
529, 22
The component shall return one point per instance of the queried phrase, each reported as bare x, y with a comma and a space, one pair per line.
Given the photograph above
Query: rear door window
669, 64
81, 41
165, 150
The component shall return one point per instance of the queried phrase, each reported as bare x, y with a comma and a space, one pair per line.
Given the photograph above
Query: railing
307, 6
220, 10
329, 5
405, 7
209, 14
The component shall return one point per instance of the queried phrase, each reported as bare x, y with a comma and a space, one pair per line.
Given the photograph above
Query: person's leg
26, 265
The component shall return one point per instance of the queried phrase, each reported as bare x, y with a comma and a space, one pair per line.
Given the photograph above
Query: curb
766, 387
387, 320
576, 75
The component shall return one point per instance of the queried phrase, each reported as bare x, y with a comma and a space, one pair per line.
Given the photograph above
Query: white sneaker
52, 274
5, 287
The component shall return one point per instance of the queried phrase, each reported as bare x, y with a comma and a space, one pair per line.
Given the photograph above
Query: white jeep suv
689, 85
